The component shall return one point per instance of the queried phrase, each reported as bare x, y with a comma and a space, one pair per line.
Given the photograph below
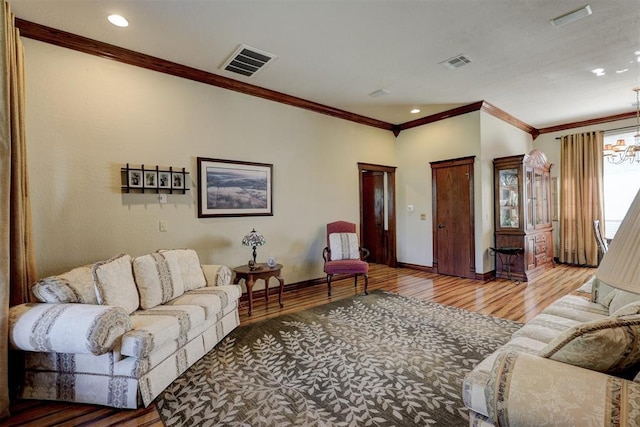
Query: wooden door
373, 235
453, 218
383, 246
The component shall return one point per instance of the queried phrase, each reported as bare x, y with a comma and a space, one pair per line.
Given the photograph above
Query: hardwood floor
499, 297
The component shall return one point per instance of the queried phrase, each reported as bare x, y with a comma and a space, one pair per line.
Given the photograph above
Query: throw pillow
189, 264
622, 298
75, 286
158, 279
114, 283
344, 246
628, 310
608, 345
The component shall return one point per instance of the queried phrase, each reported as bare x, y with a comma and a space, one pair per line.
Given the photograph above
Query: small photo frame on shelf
164, 180
150, 179
135, 178
177, 180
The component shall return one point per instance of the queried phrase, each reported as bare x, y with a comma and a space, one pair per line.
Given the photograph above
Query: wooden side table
251, 276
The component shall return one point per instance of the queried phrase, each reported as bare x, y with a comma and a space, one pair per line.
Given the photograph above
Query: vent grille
247, 60
455, 62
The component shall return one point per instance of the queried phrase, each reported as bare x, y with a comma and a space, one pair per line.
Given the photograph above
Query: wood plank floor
499, 298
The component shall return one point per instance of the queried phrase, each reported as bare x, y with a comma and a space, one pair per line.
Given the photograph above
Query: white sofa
572, 365
118, 332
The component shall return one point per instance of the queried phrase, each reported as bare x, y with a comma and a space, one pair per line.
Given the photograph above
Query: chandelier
620, 152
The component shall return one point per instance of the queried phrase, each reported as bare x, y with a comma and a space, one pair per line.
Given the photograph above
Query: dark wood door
453, 218
373, 237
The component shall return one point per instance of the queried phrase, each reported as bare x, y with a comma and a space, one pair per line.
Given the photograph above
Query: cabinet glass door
509, 203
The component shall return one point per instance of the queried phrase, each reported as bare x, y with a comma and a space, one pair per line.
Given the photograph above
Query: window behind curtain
621, 183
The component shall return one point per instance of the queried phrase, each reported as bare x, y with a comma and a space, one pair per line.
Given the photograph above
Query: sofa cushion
344, 246
545, 327
189, 263
609, 345
227, 294
212, 304
74, 286
628, 310
158, 326
158, 279
577, 308
114, 283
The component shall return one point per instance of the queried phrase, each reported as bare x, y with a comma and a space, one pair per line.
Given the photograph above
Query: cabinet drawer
541, 259
541, 237
541, 248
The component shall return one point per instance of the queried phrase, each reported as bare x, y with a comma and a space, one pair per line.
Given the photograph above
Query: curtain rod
608, 130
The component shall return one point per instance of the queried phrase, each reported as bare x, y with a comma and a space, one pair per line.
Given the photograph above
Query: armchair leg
366, 284
329, 283
355, 284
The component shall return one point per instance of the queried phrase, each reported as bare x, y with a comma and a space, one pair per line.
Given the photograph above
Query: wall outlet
423, 217
162, 225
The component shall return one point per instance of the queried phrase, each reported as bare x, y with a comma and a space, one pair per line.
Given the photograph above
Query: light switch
410, 208
163, 225
162, 197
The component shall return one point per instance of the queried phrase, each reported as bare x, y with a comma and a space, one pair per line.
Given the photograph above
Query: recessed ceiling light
573, 16
637, 53
415, 111
118, 21
598, 71
624, 70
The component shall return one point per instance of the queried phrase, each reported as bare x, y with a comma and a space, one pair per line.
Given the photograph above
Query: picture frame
228, 188
164, 180
150, 179
177, 180
135, 178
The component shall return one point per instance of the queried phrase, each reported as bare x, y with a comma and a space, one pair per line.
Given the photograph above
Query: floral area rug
371, 360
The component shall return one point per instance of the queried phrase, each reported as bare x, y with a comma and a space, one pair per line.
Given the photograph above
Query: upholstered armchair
343, 254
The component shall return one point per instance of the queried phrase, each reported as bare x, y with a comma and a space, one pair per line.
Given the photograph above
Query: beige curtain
17, 261
581, 197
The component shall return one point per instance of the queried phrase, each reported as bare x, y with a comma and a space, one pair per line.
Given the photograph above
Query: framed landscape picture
234, 188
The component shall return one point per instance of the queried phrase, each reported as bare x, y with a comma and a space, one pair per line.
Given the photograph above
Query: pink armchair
343, 255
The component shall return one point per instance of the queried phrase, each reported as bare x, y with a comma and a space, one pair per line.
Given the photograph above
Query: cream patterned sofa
118, 332
572, 365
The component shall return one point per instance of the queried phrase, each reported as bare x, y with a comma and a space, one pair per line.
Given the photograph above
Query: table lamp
253, 239
620, 266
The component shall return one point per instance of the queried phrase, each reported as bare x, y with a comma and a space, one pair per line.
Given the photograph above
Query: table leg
250, 284
266, 289
281, 280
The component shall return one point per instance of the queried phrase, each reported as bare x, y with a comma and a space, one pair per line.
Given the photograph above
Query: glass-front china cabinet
523, 214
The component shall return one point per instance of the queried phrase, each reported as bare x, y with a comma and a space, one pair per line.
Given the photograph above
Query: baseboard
287, 288
486, 277
418, 267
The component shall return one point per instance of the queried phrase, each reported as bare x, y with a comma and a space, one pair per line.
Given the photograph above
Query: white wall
446, 139
87, 117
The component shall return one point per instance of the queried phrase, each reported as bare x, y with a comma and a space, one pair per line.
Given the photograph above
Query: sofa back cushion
114, 283
620, 299
74, 286
344, 246
609, 345
189, 264
158, 279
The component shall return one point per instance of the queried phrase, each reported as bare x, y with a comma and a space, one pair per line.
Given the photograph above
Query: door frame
392, 260
434, 206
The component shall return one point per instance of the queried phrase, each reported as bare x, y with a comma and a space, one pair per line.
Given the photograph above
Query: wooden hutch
523, 229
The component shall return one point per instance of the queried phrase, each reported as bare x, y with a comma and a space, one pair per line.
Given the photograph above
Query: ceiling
337, 52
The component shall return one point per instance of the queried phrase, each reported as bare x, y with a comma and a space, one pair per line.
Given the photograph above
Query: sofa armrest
526, 389
67, 328
216, 275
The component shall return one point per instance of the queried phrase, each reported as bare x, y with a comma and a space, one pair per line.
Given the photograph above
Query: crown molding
590, 122
104, 50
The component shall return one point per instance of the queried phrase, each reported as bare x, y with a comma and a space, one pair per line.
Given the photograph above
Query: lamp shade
253, 239
620, 266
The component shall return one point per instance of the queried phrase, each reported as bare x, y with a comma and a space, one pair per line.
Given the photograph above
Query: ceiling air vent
247, 60
455, 62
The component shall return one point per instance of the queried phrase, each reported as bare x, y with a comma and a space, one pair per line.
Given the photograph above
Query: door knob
440, 225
